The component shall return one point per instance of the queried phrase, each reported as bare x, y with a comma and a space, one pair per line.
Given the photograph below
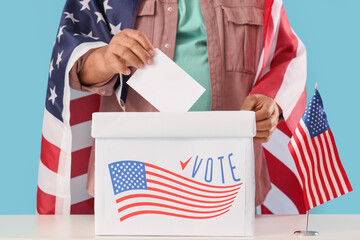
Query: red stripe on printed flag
45, 202
284, 179
79, 113
167, 199
49, 155
80, 162
188, 192
140, 204
151, 196
169, 214
84, 207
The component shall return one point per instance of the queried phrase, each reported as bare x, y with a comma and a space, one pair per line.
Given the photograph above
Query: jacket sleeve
105, 88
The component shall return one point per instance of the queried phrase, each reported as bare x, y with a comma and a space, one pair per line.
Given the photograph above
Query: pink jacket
237, 52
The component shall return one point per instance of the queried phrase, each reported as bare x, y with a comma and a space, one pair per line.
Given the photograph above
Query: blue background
329, 30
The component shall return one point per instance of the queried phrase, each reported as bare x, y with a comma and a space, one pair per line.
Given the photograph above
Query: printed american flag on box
144, 188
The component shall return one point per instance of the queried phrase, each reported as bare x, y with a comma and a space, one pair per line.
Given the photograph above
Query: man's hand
267, 114
127, 48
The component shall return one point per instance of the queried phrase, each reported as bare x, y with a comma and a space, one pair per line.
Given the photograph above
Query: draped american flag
317, 160
144, 188
66, 142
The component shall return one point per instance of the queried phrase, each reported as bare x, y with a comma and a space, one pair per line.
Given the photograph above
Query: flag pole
306, 232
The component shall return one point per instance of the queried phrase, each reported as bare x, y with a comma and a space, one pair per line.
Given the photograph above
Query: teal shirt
191, 49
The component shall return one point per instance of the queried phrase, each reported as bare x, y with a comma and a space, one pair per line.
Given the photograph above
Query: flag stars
89, 35
115, 29
128, 181
85, 5
60, 33
71, 17
106, 6
53, 95
51, 67
100, 17
59, 58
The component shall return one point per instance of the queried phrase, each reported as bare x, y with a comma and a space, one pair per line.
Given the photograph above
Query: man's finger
129, 57
142, 39
263, 134
249, 103
138, 50
264, 112
267, 124
118, 65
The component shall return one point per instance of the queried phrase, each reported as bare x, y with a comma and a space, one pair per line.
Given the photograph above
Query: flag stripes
284, 73
149, 165
316, 157
183, 184
80, 162
285, 179
49, 154
174, 195
84, 207
170, 214
167, 193
150, 196
282, 203
49, 199
79, 113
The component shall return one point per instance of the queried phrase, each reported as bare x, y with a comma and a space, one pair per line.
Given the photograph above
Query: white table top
337, 227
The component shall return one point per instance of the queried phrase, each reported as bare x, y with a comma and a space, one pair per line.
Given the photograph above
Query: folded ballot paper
165, 85
173, 173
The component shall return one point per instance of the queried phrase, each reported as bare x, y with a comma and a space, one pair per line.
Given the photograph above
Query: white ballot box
174, 174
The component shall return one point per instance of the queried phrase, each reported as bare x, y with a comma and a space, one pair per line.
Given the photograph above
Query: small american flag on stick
143, 188
316, 157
